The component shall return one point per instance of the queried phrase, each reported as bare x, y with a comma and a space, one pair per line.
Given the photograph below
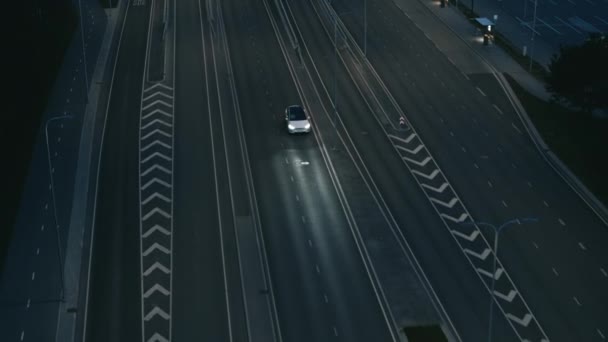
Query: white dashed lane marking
555, 271
580, 244
562, 222
497, 109
604, 272
576, 301
599, 332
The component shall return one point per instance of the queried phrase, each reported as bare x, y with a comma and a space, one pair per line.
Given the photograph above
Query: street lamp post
497, 231
48, 150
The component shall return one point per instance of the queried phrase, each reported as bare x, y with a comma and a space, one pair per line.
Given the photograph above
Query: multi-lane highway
196, 157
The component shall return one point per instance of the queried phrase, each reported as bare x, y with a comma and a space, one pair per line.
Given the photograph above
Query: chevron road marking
406, 140
155, 132
155, 121
481, 256
156, 311
154, 143
156, 195
156, 167
157, 338
156, 266
156, 288
158, 110
497, 274
156, 180
156, 228
155, 211
157, 93
156, 102
439, 189
462, 217
158, 85
154, 247
470, 237
414, 151
450, 204
509, 298
419, 163
156, 154
429, 177
521, 321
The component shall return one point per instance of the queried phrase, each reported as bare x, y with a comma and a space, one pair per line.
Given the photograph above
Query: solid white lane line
562, 222
480, 91
580, 244
577, 302
555, 271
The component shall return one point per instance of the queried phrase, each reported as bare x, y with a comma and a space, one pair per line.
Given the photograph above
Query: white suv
297, 119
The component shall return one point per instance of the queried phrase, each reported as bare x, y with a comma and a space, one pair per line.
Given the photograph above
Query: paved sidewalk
464, 28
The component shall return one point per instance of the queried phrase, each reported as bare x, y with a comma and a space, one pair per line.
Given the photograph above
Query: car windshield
296, 114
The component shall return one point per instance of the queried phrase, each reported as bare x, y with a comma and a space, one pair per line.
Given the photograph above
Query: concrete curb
80, 220
558, 166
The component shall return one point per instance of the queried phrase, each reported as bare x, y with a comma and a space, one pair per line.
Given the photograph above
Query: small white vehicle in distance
298, 121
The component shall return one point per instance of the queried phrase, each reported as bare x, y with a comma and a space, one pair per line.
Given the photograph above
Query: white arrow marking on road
523, 322
155, 121
509, 298
155, 132
481, 256
154, 211
429, 177
156, 154
156, 311
450, 204
156, 180
155, 112
156, 266
159, 85
157, 338
155, 142
469, 238
462, 217
157, 93
421, 164
156, 228
497, 274
156, 195
439, 189
156, 246
156, 102
156, 167
406, 140
155, 288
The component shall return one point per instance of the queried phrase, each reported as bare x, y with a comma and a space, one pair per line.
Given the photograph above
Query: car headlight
291, 127
307, 126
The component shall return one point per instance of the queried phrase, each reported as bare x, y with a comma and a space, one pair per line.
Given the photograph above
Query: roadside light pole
51, 171
497, 231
